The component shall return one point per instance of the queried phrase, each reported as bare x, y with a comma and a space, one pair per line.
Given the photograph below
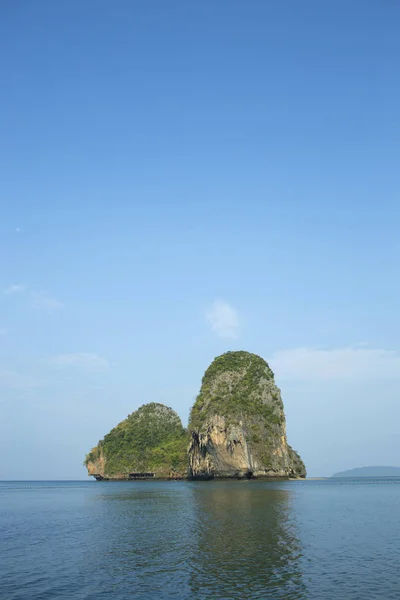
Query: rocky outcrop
298, 468
237, 425
95, 462
150, 443
237, 429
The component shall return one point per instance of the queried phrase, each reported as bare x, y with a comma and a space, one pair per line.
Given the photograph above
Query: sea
328, 539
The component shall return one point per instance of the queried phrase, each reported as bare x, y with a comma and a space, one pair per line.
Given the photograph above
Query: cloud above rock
223, 319
352, 363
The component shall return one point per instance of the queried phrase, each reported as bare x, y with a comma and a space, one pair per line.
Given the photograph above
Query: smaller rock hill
150, 442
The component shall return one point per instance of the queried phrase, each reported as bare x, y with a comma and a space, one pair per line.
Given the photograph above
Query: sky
179, 179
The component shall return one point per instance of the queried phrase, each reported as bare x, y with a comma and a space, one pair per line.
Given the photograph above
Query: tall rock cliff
150, 442
237, 425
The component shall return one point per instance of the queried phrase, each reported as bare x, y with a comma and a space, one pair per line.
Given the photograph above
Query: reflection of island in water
245, 543
194, 541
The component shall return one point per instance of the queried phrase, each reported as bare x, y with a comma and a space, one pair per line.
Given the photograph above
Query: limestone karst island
237, 429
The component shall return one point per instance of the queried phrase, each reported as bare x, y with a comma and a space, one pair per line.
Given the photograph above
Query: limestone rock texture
150, 442
237, 425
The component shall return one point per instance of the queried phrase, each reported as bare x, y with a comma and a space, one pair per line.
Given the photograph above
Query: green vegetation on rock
237, 424
231, 387
151, 439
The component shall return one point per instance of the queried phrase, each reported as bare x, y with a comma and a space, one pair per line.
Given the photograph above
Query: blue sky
180, 179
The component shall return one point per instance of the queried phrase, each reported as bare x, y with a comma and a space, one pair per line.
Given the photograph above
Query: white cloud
15, 288
337, 364
80, 360
44, 300
223, 319
13, 380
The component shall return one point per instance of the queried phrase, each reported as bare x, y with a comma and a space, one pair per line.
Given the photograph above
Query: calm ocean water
334, 539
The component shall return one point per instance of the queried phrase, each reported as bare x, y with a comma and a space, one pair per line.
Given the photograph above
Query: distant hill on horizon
370, 472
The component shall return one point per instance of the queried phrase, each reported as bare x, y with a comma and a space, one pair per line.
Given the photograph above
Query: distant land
370, 472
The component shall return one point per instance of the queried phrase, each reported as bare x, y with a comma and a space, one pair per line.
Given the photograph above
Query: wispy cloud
223, 319
43, 299
80, 360
337, 364
14, 380
40, 298
15, 288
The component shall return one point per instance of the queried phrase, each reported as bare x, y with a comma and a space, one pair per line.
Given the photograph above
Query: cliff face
237, 425
149, 442
95, 462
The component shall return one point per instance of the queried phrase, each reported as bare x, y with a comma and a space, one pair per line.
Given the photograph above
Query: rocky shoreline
208, 478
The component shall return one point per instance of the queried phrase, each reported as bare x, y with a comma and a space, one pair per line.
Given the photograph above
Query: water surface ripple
333, 539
